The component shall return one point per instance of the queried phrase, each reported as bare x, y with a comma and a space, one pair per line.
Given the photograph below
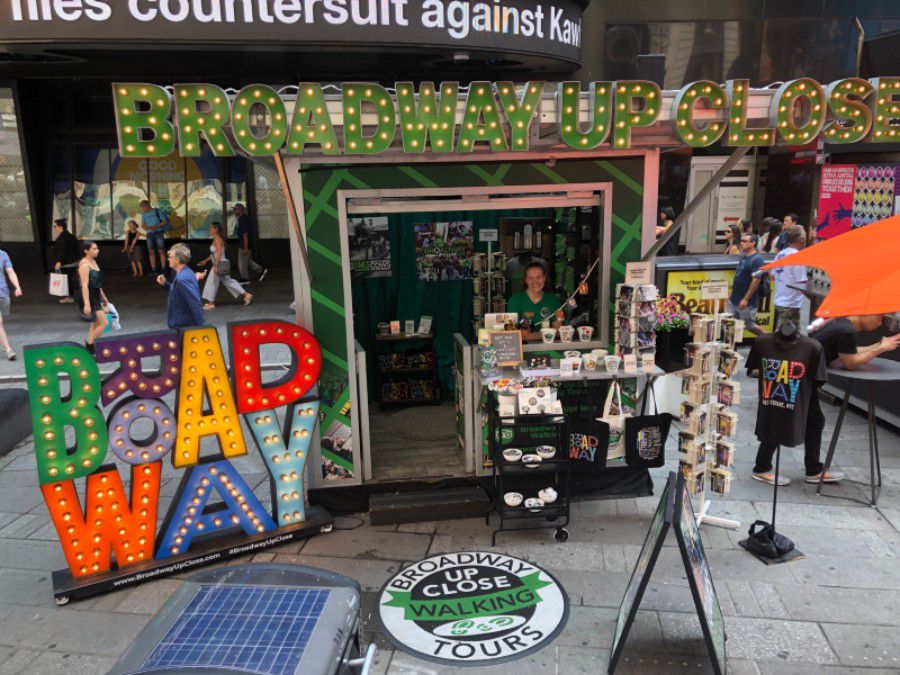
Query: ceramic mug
585, 333
572, 354
599, 353
589, 361
566, 333
612, 362
548, 335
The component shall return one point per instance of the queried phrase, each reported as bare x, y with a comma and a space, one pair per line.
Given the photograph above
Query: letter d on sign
246, 340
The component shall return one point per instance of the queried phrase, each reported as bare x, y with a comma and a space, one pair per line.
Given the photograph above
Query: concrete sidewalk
835, 611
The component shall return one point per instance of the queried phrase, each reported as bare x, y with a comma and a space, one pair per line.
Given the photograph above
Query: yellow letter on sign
203, 375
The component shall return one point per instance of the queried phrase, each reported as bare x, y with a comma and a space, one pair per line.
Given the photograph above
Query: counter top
582, 376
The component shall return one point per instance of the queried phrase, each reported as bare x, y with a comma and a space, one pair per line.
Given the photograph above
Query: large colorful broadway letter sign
170, 393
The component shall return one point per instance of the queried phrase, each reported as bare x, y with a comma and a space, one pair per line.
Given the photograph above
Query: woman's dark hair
61, 222
532, 265
84, 245
773, 227
131, 222
735, 234
747, 227
217, 226
668, 212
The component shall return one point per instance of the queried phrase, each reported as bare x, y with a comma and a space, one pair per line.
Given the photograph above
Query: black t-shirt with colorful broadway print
788, 376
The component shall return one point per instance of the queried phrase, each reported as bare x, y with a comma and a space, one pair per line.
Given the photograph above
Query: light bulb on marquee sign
107, 530
496, 116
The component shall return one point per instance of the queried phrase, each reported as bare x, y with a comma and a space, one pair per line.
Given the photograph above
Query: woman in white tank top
220, 271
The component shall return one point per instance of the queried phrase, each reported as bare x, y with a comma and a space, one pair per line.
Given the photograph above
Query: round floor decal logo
472, 608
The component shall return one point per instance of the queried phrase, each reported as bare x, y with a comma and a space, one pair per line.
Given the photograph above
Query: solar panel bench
267, 619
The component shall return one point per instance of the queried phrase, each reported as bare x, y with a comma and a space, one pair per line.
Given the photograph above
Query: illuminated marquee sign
110, 536
497, 116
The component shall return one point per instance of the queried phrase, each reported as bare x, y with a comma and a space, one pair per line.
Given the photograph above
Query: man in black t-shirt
838, 339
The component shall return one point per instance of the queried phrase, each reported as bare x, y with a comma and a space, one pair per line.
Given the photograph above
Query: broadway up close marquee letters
200, 436
496, 116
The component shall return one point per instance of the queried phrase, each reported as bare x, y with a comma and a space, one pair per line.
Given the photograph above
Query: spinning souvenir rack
705, 453
489, 284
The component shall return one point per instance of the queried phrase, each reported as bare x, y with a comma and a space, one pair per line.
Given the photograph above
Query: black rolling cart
528, 480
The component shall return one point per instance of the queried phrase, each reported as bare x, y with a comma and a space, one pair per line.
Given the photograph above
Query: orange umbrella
864, 268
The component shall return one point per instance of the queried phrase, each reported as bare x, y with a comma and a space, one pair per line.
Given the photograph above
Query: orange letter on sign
108, 523
203, 372
306, 356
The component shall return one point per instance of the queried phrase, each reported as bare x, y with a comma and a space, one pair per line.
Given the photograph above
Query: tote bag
59, 284
615, 418
588, 442
645, 437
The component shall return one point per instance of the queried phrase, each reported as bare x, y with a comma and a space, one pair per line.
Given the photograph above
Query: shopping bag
646, 435
112, 318
588, 442
59, 284
614, 415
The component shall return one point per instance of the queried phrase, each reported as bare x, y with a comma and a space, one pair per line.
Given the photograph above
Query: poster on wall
873, 194
732, 205
444, 251
835, 199
685, 286
370, 247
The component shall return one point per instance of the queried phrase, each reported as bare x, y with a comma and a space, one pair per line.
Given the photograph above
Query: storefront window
271, 210
167, 191
235, 189
15, 223
129, 188
62, 186
204, 190
93, 203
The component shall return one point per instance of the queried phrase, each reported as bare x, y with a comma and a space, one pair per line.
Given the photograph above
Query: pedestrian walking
132, 250
744, 299
220, 270
732, 240
184, 307
789, 220
155, 223
93, 299
789, 300
6, 270
67, 254
244, 233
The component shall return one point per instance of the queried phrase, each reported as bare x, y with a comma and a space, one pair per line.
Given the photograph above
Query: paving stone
49, 662
363, 544
826, 515
25, 587
876, 646
18, 661
841, 605
17, 499
577, 660
757, 639
800, 669
69, 630
846, 571
371, 574
417, 528
742, 596
148, 598
28, 554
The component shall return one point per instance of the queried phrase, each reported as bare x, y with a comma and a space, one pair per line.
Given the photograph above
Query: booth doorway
410, 425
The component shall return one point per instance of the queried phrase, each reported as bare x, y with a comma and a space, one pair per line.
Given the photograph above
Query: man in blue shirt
154, 223
744, 299
185, 308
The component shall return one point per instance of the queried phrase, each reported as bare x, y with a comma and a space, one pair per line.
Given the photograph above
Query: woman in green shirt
533, 303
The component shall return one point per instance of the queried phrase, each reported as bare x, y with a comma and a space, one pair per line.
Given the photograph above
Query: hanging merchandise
588, 442
614, 415
646, 436
788, 375
636, 320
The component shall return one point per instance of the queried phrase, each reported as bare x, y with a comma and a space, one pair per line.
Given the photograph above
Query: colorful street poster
685, 285
873, 194
835, 199
444, 251
370, 246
